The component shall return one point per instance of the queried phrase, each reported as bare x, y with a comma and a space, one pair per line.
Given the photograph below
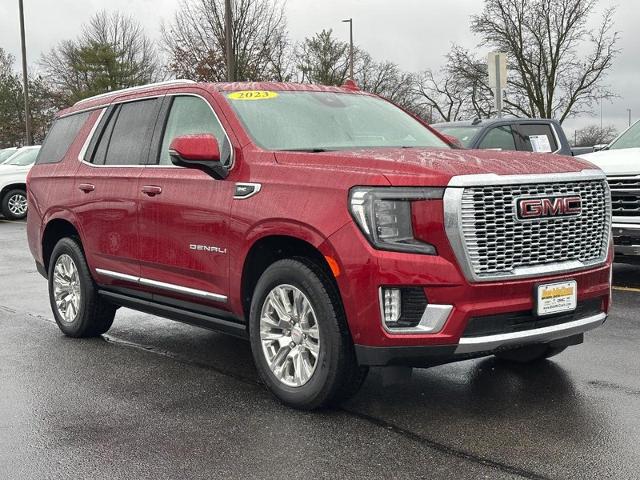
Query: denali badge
207, 248
535, 208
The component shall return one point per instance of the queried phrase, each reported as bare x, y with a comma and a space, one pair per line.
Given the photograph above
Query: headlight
384, 216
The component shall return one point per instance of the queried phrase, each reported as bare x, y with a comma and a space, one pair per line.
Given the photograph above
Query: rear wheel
299, 338
78, 309
14, 204
529, 353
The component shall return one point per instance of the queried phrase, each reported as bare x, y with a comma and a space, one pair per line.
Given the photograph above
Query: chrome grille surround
491, 244
625, 195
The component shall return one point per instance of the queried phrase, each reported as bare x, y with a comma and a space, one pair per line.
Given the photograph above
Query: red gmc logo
545, 207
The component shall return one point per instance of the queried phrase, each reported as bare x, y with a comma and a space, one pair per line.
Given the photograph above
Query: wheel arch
12, 186
55, 230
268, 249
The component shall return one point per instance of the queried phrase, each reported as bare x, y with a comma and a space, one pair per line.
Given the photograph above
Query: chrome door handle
151, 190
86, 187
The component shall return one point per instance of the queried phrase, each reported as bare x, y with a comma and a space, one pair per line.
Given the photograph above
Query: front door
184, 212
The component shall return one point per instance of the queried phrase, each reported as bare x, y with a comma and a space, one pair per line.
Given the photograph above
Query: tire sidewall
298, 275
5, 204
70, 247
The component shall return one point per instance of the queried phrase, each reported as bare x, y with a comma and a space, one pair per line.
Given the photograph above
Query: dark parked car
526, 135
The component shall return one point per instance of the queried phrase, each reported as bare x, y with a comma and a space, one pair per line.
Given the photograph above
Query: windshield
318, 121
24, 157
6, 153
629, 139
464, 134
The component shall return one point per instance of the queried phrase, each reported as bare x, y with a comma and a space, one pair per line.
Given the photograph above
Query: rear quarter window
60, 137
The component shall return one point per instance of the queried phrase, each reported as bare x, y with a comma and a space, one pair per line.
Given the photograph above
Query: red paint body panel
303, 195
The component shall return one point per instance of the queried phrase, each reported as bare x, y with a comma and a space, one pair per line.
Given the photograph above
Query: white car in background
5, 153
620, 160
13, 180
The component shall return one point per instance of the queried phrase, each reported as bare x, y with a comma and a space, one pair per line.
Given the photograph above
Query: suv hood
433, 167
616, 162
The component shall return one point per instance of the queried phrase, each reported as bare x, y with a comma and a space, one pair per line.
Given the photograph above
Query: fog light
391, 305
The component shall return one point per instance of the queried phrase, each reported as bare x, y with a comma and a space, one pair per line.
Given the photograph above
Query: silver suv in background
620, 160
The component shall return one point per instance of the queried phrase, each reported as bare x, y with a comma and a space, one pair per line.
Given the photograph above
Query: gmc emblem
548, 207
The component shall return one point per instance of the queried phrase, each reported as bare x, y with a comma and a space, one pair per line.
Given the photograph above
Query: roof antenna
476, 121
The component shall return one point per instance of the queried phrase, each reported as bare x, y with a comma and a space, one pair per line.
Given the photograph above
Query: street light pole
25, 78
350, 22
228, 34
629, 110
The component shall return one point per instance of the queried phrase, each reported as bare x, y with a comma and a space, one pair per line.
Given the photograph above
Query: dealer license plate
556, 297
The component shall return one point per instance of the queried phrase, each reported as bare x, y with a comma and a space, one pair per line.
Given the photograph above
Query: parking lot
157, 399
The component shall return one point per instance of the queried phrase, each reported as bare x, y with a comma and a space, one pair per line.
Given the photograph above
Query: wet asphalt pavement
158, 399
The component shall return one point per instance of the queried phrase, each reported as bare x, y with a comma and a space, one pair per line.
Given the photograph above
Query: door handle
151, 190
87, 187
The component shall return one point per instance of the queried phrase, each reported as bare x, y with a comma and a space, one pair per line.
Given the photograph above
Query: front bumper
626, 238
365, 270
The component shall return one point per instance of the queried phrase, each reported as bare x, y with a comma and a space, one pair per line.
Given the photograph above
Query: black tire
529, 353
337, 374
9, 196
94, 315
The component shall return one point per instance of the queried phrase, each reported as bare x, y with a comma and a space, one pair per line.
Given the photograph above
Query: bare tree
459, 90
111, 53
550, 74
195, 41
595, 135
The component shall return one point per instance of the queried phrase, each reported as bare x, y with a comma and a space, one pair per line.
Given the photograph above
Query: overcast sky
416, 34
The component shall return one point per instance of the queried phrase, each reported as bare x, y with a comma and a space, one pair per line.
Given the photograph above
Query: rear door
106, 192
184, 212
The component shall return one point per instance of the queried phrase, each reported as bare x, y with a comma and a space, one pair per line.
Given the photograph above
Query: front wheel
299, 338
529, 353
14, 204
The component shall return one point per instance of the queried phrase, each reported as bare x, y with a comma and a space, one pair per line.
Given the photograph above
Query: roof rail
133, 89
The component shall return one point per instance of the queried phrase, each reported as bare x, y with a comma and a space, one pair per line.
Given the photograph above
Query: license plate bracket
556, 297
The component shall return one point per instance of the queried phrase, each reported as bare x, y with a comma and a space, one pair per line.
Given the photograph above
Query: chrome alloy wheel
289, 335
66, 288
17, 204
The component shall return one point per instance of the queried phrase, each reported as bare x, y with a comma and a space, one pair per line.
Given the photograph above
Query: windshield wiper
307, 150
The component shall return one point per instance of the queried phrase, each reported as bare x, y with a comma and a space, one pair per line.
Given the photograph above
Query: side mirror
199, 151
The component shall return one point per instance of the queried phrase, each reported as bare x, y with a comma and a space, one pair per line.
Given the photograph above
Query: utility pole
25, 78
601, 98
228, 37
350, 22
629, 110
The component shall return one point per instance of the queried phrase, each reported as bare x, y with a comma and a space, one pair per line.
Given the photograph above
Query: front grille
497, 244
625, 196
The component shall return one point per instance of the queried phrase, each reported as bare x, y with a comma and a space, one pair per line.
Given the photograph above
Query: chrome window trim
165, 286
85, 146
537, 335
435, 315
452, 200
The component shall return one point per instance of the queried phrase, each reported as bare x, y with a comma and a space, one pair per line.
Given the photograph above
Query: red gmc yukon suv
329, 227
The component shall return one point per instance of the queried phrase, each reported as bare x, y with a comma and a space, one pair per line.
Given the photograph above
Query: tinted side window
60, 137
537, 138
192, 115
126, 137
499, 137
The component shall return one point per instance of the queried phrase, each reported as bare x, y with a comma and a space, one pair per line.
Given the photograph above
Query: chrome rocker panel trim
538, 335
165, 286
